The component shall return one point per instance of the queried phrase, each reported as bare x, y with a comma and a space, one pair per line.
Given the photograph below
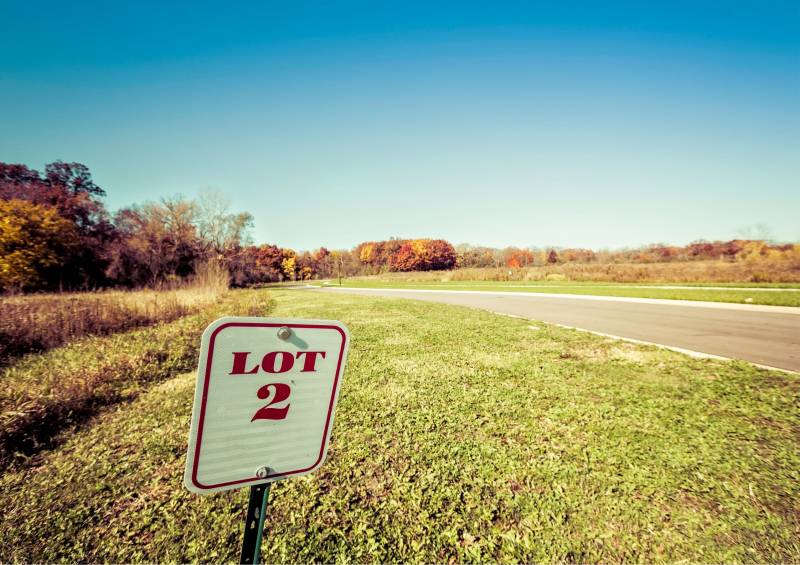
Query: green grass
460, 436
767, 294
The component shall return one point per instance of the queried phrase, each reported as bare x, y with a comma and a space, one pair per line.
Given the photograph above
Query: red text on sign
279, 392
275, 362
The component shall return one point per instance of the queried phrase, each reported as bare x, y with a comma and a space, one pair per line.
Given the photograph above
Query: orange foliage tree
408, 254
517, 258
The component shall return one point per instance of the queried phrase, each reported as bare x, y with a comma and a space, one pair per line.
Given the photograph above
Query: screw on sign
263, 408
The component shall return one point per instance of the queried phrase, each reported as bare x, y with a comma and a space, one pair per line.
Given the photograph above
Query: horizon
536, 125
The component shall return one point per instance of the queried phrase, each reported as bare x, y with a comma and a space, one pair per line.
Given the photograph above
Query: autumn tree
577, 255
408, 254
34, 242
252, 265
517, 258
480, 257
157, 242
69, 188
323, 263
440, 256
289, 264
406, 259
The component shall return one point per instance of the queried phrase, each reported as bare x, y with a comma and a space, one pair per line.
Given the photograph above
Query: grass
42, 394
42, 321
753, 294
751, 270
460, 436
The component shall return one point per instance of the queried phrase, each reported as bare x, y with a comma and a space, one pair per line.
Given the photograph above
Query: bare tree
221, 230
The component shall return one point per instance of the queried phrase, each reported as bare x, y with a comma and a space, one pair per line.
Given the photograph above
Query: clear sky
594, 124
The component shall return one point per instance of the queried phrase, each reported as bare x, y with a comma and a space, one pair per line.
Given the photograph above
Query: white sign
264, 401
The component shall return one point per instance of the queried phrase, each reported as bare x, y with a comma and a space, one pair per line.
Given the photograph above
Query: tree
367, 252
75, 178
34, 240
441, 255
323, 263
306, 265
421, 255
69, 188
157, 242
552, 257
406, 259
221, 230
252, 264
516, 258
577, 255
469, 256
289, 264
268, 261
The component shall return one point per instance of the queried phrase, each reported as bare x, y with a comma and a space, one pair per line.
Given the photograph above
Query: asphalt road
766, 335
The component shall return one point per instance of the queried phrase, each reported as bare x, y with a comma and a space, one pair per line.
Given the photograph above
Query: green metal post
254, 524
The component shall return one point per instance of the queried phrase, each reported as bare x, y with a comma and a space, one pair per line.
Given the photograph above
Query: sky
574, 124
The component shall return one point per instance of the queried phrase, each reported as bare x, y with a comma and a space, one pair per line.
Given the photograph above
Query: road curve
766, 335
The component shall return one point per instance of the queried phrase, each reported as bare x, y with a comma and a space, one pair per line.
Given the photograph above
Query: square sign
264, 401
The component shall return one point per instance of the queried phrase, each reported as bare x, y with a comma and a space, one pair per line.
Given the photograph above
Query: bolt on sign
264, 401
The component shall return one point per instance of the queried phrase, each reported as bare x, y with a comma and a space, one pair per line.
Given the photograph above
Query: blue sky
592, 124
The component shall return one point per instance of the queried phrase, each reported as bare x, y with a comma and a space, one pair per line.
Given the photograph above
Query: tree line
55, 233
732, 250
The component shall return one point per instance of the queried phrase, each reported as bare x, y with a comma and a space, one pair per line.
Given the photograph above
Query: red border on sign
207, 378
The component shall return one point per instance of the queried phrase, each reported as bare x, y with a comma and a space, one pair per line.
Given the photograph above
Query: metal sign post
254, 524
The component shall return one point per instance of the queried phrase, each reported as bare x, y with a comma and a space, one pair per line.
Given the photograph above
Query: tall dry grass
34, 323
767, 271
41, 395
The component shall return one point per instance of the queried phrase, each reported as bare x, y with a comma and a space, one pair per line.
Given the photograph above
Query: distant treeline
733, 250
55, 233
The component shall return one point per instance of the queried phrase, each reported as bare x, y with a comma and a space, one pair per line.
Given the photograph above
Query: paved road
767, 335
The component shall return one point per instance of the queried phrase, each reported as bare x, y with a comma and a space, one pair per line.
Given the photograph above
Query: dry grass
41, 395
36, 323
764, 271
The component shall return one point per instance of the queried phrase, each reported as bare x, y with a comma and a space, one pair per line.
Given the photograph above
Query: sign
264, 401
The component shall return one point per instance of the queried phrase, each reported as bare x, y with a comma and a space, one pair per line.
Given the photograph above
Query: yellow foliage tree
367, 254
33, 238
289, 264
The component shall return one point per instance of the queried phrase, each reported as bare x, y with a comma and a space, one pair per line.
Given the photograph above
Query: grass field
763, 270
37, 322
40, 395
460, 436
750, 293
